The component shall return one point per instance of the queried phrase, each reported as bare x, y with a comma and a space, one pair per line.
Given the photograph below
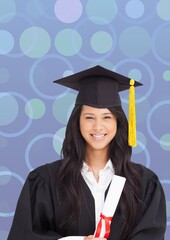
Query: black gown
37, 214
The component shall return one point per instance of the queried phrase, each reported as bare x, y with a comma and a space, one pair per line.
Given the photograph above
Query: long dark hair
73, 152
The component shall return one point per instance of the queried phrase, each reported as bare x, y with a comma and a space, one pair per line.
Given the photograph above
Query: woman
65, 198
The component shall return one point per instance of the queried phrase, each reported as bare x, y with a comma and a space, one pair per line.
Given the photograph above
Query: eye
107, 117
89, 117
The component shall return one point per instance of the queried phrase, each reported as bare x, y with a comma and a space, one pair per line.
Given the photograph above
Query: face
98, 127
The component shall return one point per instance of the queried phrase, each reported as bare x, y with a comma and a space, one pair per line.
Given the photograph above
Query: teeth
98, 136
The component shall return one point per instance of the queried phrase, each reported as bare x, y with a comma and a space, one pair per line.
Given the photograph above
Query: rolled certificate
110, 205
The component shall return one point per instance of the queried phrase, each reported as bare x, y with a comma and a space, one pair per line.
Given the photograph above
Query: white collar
108, 165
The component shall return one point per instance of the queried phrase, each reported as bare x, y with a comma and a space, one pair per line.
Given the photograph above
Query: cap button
132, 82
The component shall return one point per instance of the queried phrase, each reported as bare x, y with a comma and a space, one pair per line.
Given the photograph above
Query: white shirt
97, 189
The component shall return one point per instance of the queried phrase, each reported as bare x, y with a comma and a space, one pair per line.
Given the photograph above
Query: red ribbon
107, 226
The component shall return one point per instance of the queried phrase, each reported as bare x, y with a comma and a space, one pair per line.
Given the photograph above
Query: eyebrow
94, 114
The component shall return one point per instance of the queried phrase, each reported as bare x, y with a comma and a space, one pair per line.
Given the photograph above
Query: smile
98, 136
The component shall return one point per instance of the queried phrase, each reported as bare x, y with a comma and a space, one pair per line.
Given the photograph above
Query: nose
98, 126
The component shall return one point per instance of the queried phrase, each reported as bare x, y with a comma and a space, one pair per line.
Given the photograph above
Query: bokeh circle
68, 14
20, 179
101, 42
7, 10
163, 141
63, 61
35, 42
87, 52
30, 146
62, 107
163, 7
6, 42
135, 9
38, 108
141, 148
4, 179
15, 113
58, 140
101, 13
68, 42
142, 64
35, 9
134, 42
9, 109
160, 43
166, 75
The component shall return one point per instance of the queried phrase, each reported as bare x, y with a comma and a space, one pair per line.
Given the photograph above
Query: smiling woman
68, 199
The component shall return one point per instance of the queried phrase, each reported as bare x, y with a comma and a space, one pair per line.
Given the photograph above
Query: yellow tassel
132, 115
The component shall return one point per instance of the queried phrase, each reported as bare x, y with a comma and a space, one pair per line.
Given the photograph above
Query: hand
90, 237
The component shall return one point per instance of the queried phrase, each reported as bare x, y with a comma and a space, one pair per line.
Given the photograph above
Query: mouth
98, 136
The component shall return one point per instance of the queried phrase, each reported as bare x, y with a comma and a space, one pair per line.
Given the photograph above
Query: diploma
110, 205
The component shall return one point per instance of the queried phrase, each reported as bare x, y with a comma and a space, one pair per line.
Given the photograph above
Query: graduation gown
37, 215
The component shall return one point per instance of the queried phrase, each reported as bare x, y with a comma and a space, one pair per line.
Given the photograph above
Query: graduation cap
99, 87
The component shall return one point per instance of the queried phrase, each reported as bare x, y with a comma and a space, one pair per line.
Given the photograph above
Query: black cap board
97, 86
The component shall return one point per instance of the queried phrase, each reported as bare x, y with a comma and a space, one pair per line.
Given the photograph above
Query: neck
96, 159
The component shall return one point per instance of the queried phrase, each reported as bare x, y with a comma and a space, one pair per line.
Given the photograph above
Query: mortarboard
99, 87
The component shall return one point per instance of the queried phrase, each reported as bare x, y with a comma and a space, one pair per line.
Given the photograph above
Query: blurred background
41, 41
